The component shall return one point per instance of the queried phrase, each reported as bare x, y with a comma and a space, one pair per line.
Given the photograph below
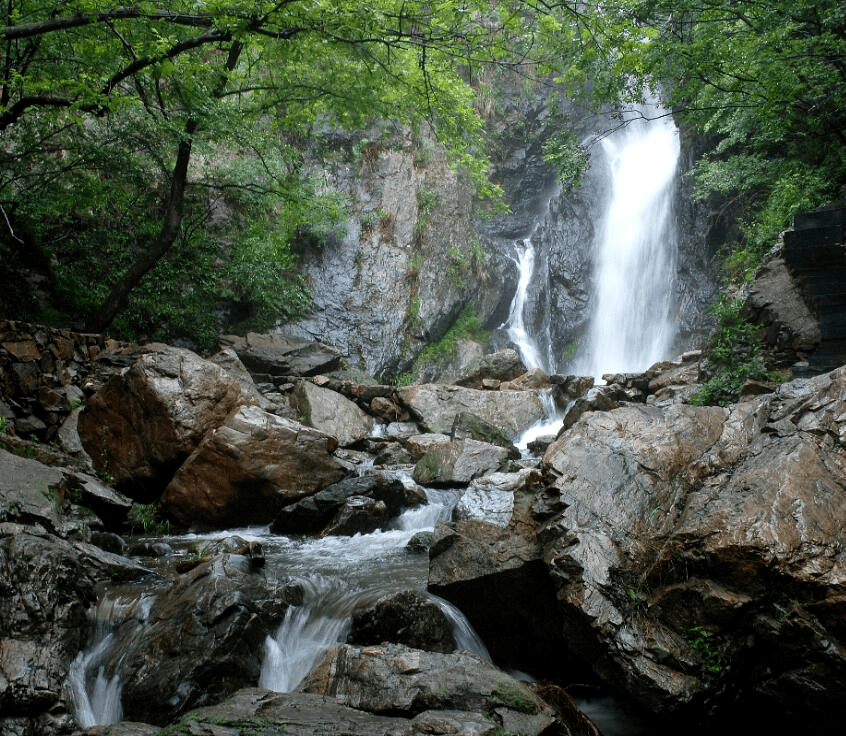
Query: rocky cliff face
415, 251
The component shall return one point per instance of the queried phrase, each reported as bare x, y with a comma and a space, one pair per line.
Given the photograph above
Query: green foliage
701, 640
142, 518
139, 144
562, 150
427, 200
456, 266
757, 80
735, 354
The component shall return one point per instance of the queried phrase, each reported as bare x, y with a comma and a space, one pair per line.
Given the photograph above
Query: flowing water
515, 325
635, 252
337, 576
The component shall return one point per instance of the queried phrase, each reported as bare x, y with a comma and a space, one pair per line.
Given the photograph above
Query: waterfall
515, 326
635, 252
464, 634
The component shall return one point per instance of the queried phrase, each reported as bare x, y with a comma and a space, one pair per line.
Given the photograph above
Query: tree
147, 84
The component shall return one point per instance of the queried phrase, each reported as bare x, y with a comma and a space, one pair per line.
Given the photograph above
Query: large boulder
491, 497
497, 578
332, 413
503, 365
457, 462
697, 551
307, 714
146, 420
395, 679
248, 468
196, 640
436, 407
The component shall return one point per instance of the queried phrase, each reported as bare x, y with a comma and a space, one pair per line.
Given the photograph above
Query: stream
336, 574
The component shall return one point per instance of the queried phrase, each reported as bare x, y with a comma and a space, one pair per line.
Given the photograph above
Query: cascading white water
515, 326
96, 698
631, 325
343, 581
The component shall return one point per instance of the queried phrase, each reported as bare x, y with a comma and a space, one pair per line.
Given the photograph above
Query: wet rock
358, 515
331, 413
313, 514
420, 542
436, 406
699, 539
408, 618
110, 542
196, 640
146, 420
46, 587
276, 354
248, 468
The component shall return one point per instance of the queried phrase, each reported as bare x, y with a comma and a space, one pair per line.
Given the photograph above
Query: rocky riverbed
687, 560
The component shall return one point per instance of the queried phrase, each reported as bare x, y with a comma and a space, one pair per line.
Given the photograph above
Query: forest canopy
151, 155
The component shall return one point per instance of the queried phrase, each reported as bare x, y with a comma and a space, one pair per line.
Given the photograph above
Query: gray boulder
457, 462
436, 407
705, 540
394, 679
276, 354
331, 413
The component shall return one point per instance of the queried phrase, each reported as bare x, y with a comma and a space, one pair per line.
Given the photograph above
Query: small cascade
515, 326
94, 693
466, 638
548, 426
631, 325
306, 632
339, 574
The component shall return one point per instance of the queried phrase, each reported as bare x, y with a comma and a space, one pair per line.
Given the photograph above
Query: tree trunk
119, 295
